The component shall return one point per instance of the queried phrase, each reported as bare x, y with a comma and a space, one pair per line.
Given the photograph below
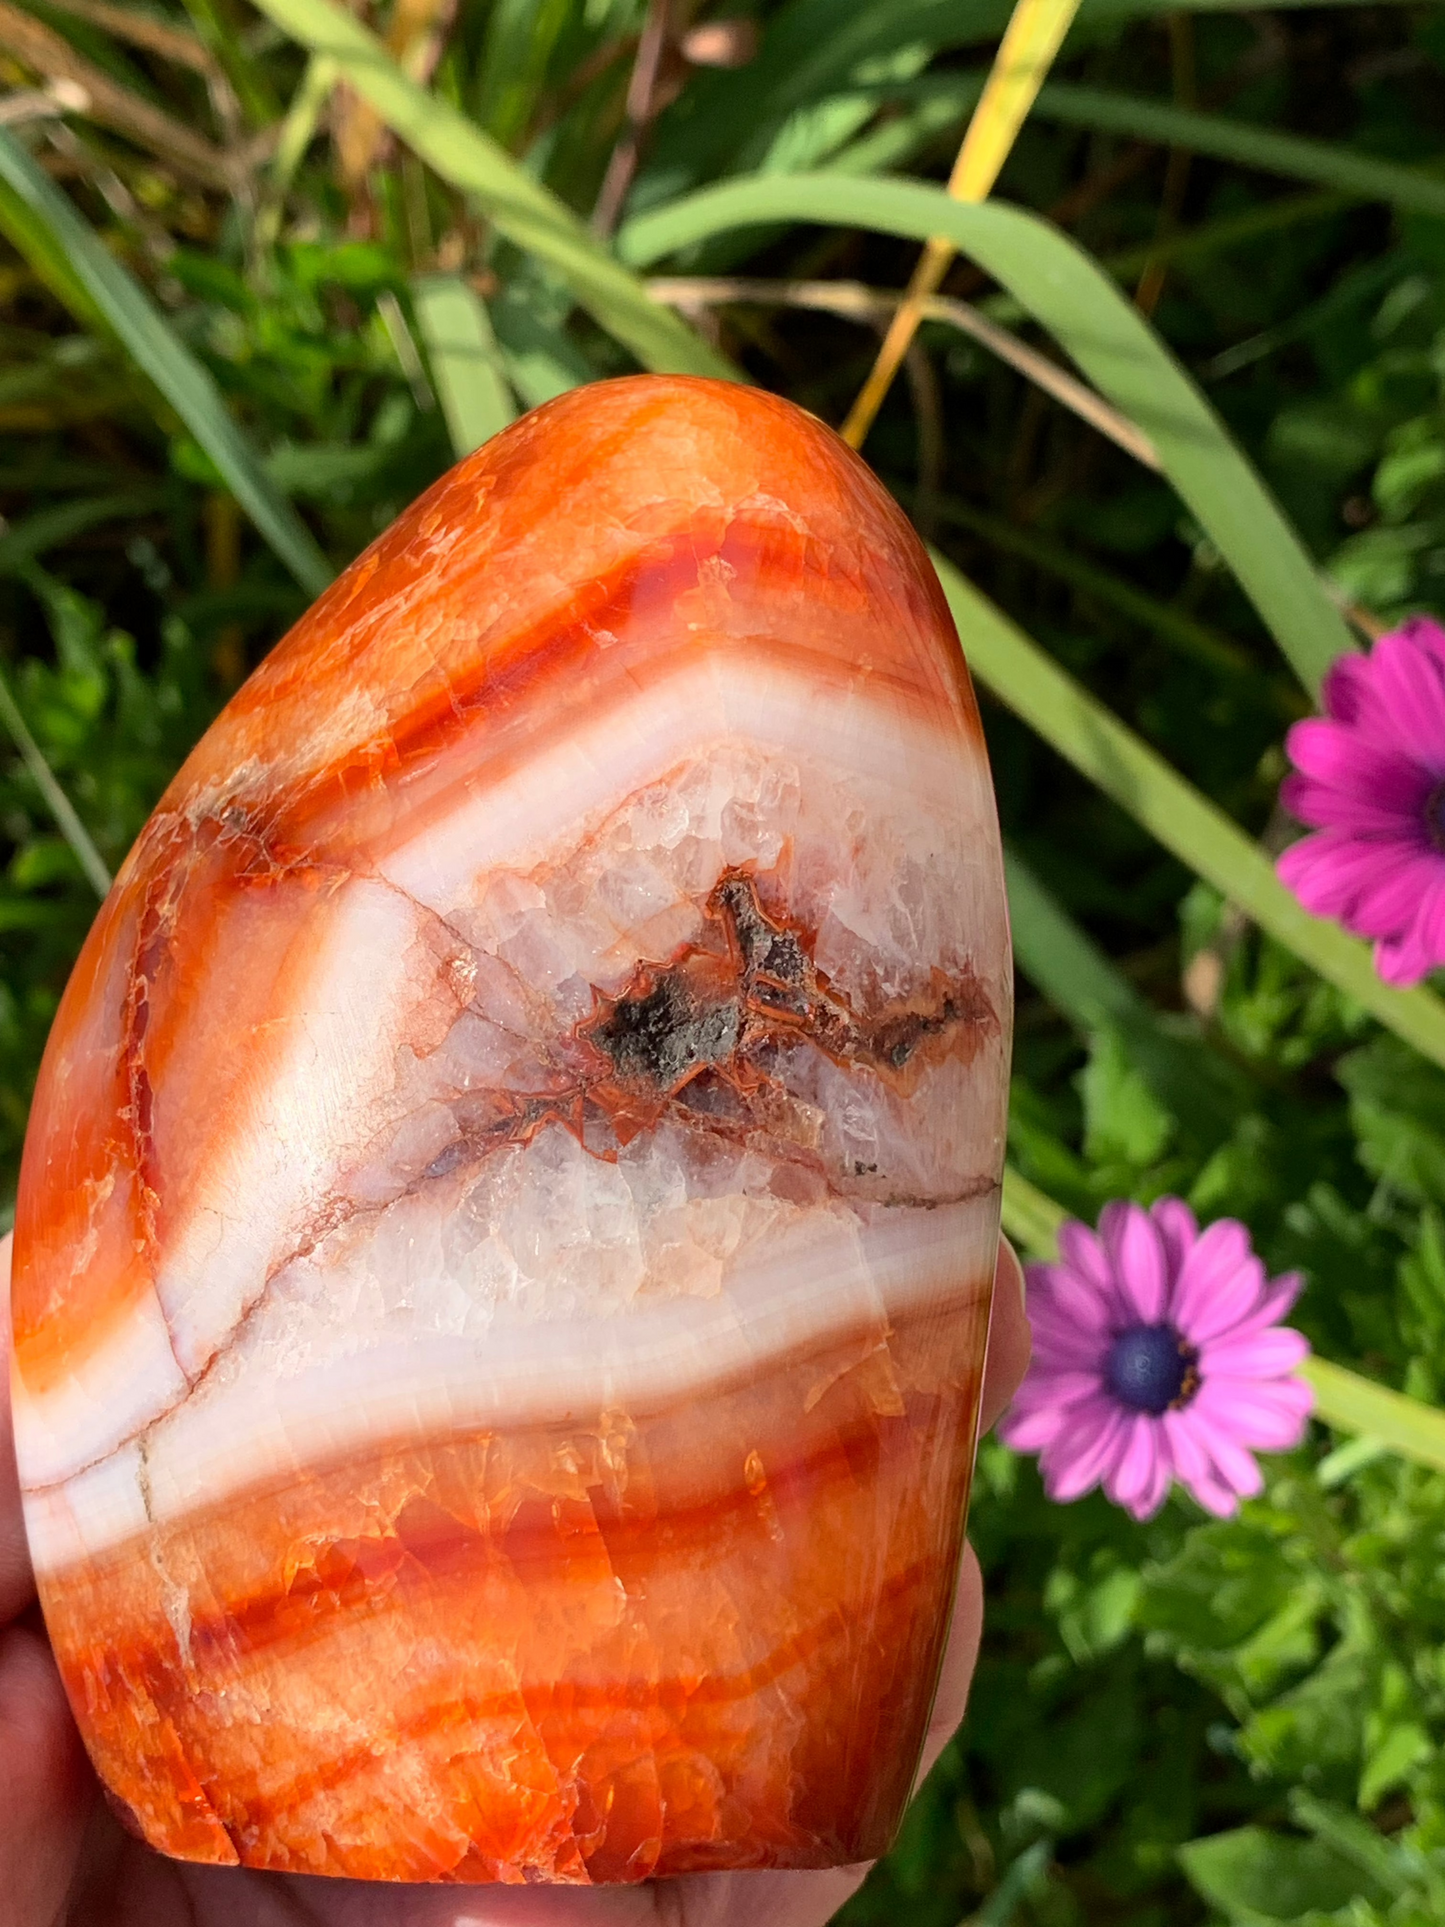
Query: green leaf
1397, 1108
466, 364
1253, 1875
1177, 1068
1077, 302
112, 294
1397, 1751
521, 208
1124, 1122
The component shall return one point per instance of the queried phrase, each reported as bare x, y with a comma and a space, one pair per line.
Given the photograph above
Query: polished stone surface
504, 1241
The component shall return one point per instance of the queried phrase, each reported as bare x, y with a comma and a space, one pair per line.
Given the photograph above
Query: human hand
66, 1862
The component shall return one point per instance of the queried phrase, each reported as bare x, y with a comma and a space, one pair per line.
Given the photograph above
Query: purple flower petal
1339, 759
1263, 1354
1135, 1475
1133, 1242
1061, 1389
1157, 1268
1408, 681
1083, 1253
1234, 1465
1059, 1296
1272, 1306
1426, 633
1178, 1228
1395, 898
1195, 1467
1031, 1428
1366, 775
1084, 1451
1221, 1280
1324, 807
1268, 1417
1349, 695
1328, 872
1405, 959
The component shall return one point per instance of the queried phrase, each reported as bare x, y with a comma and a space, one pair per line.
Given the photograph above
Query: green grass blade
1098, 745
466, 363
33, 238
1030, 1217
521, 208
540, 358
936, 104
1342, 1398
1323, 163
1051, 950
1355, 1404
30, 537
56, 801
1078, 303
126, 310
816, 53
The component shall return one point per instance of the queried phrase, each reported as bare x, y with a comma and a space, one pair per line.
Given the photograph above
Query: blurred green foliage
1191, 1720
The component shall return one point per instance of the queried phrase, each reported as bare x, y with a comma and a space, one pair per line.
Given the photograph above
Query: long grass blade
1074, 298
1342, 1398
1355, 1404
162, 357
815, 51
1324, 163
56, 801
1051, 950
465, 360
934, 103
1089, 736
521, 208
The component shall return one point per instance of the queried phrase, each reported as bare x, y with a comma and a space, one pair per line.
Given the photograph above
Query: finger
46, 1787
960, 1656
17, 1585
1008, 1338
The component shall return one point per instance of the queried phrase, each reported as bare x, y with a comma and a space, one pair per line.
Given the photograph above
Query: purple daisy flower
1158, 1355
1371, 781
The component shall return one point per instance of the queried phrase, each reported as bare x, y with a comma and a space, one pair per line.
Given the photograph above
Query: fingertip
17, 1584
46, 1786
960, 1657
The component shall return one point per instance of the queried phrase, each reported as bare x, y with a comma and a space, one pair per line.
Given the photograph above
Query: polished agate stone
505, 1238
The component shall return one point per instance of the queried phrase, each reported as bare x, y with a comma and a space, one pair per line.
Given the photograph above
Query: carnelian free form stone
505, 1236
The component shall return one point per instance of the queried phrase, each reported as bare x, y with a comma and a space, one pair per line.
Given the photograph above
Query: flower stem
1343, 1399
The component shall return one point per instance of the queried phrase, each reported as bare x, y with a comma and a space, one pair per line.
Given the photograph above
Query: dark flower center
1435, 816
1151, 1368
